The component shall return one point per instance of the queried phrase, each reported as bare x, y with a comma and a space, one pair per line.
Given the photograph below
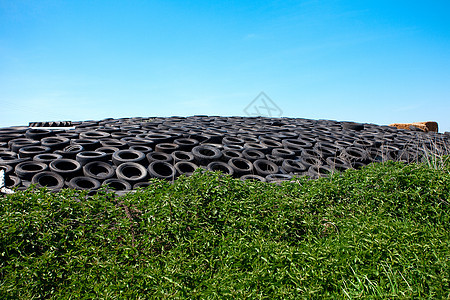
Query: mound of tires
125, 153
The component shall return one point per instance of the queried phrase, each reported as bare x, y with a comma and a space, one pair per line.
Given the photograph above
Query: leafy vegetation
379, 232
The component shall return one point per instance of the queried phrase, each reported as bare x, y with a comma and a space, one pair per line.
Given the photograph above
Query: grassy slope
382, 231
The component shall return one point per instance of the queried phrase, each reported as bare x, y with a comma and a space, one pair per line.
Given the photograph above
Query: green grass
380, 232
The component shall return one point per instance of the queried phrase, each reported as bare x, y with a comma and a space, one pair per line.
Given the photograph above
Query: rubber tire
55, 142
241, 166
99, 170
115, 183
205, 154
352, 126
127, 171
229, 154
278, 178
86, 157
162, 170
265, 167
293, 166
283, 153
84, 183
27, 169
166, 147
220, 166
182, 156
47, 158
253, 155
159, 156
12, 182
31, 151
186, 144
141, 148
319, 171
182, 168
252, 177
43, 179
127, 155
70, 151
88, 144
66, 172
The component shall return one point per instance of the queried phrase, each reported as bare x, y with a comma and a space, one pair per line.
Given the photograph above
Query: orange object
424, 126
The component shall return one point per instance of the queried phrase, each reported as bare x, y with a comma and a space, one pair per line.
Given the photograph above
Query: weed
378, 232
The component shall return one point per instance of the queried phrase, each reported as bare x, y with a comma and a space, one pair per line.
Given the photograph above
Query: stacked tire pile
125, 153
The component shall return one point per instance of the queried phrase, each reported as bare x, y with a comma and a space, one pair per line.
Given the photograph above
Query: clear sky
367, 61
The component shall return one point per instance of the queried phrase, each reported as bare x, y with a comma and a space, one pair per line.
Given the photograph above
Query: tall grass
379, 232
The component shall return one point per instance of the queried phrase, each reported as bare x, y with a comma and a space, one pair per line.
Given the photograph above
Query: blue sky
367, 61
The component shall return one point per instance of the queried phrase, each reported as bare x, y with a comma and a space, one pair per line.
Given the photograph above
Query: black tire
55, 142
51, 180
220, 166
141, 148
186, 168
159, 156
265, 167
252, 177
8, 169
131, 172
253, 155
17, 144
186, 144
12, 181
258, 147
352, 126
37, 134
276, 159
282, 152
65, 167
229, 154
241, 166
319, 171
308, 160
86, 157
162, 170
338, 164
127, 155
70, 151
114, 143
166, 147
117, 184
109, 151
31, 151
232, 140
88, 145
278, 178
327, 149
99, 170
270, 144
84, 183
182, 156
354, 154
47, 158
94, 135
296, 143
205, 154
293, 166
233, 147
159, 138
11, 160
26, 170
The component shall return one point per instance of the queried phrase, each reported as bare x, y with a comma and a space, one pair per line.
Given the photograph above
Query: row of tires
125, 153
